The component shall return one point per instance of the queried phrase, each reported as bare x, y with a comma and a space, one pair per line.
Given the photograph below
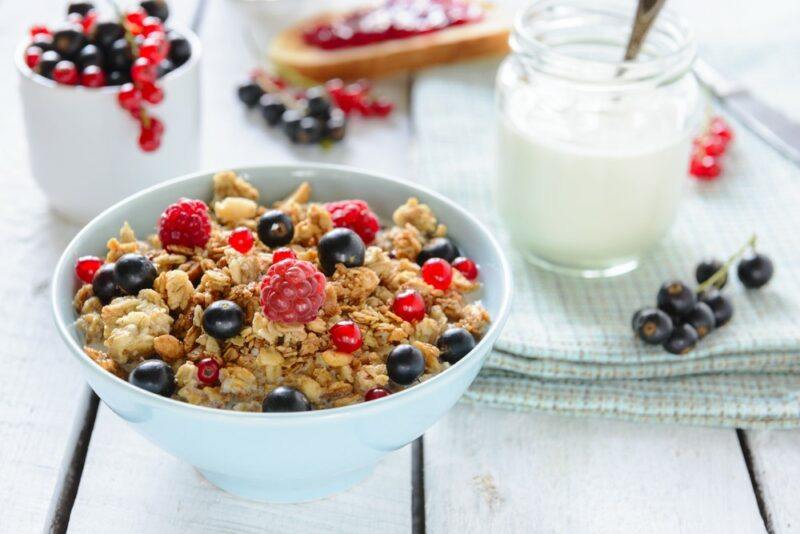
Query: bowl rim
27, 73
155, 400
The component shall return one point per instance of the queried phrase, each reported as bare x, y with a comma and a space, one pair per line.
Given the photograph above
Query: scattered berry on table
86, 267
223, 319
438, 247
155, 376
208, 371
755, 271
134, 272
454, 344
241, 240
309, 130
720, 306
340, 245
346, 336
355, 215
706, 269
376, 393
272, 108
467, 267
653, 326
701, 317
708, 150
675, 298
336, 125
405, 364
104, 284
275, 229
185, 223
682, 340
292, 292
285, 399
283, 253
437, 273
249, 93
409, 305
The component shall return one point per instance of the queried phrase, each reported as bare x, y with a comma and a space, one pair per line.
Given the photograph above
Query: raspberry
185, 223
355, 215
292, 291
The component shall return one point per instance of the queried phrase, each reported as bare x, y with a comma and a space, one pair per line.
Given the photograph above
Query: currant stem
266, 83
723, 271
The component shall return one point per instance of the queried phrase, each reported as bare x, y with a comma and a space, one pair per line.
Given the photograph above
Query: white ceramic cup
83, 148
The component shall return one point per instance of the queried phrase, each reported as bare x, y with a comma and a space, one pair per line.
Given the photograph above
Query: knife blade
775, 128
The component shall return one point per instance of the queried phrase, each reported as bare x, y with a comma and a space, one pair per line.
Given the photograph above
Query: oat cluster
166, 321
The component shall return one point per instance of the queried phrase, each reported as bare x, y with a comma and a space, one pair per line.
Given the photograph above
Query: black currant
104, 284
652, 326
68, 39
285, 399
119, 55
90, 55
249, 93
179, 49
156, 8
701, 317
454, 344
706, 269
223, 319
134, 272
438, 247
47, 63
340, 245
675, 298
271, 108
682, 340
155, 376
405, 364
275, 229
720, 306
755, 271
106, 32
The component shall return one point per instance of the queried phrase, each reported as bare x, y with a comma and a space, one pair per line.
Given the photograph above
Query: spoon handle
646, 13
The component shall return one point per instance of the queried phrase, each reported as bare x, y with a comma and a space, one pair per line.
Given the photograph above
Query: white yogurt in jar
591, 191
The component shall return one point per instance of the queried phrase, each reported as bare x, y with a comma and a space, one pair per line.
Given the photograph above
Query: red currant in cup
93, 76
39, 28
143, 71
150, 25
65, 73
241, 240
467, 267
208, 371
346, 336
376, 393
438, 273
409, 305
282, 254
86, 266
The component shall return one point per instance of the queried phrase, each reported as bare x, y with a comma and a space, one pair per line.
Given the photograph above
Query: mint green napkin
568, 347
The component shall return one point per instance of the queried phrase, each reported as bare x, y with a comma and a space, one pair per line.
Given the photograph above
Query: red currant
346, 336
208, 371
409, 305
86, 266
150, 135
283, 254
705, 167
143, 71
154, 49
39, 28
438, 273
719, 127
241, 240
152, 93
381, 107
89, 21
66, 73
134, 20
32, 56
129, 97
93, 76
711, 144
150, 25
376, 393
467, 267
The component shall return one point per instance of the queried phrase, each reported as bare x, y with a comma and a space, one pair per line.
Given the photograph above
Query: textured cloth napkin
568, 346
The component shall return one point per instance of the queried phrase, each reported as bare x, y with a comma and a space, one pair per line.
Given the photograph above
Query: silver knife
771, 125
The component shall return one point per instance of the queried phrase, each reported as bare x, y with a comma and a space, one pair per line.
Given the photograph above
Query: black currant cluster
683, 316
305, 118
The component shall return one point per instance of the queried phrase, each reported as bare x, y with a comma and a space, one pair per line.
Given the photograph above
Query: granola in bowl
289, 305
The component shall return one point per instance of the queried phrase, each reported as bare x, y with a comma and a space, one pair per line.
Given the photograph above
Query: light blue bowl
286, 457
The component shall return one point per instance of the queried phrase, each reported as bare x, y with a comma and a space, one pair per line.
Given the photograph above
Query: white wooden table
67, 464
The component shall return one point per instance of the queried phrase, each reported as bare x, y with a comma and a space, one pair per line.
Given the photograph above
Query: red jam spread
394, 19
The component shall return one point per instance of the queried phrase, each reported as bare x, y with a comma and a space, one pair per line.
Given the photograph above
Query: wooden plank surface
498, 471
130, 483
775, 458
42, 399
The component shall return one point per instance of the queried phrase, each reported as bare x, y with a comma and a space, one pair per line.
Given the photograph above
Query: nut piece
227, 184
415, 214
179, 289
168, 347
336, 358
232, 210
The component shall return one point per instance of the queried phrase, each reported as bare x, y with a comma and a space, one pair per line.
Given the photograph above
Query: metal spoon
646, 13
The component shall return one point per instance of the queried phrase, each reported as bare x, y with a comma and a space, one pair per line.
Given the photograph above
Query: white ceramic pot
83, 147
286, 457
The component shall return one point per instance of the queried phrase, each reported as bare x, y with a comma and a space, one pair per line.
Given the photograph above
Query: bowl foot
294, 490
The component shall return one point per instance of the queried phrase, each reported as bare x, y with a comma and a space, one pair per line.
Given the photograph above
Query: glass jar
592, 151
